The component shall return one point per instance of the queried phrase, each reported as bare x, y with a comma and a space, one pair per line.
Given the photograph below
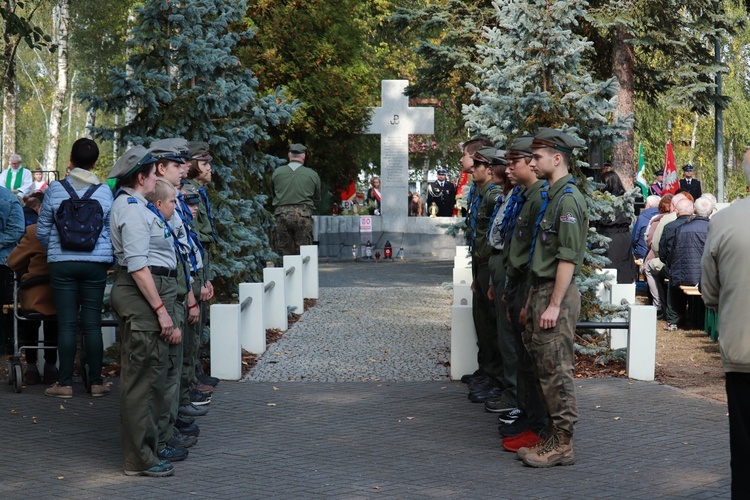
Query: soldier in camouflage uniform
558, 245
296, 190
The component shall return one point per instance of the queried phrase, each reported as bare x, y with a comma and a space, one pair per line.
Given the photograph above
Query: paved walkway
383, 438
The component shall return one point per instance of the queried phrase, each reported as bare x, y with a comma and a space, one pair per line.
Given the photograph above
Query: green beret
556, 139
297, 149
176, 144
198, 150
133, 159
520, 147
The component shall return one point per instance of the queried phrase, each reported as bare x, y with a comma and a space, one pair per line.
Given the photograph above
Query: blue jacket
689, 242
638, 237
12, 225
47, 231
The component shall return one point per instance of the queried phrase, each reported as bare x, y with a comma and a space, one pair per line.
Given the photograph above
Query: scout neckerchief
19, 178
204, 197
471, 218
175, 242
187, 223
512, 209
545, 202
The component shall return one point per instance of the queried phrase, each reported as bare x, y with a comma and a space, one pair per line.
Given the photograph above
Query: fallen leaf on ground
270, 404
275, 388
14, 412
617, 418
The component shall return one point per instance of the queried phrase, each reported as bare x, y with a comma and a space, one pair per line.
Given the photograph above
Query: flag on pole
640, 180
671, 183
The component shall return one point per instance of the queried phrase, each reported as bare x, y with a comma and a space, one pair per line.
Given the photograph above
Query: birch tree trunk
131, 109
10, 99
61, 16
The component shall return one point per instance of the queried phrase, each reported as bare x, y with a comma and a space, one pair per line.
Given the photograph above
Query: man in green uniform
480, 203
516, 231
296, 190
558, 245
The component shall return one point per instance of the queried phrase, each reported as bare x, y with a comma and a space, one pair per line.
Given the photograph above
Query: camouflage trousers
552, 353
294, 227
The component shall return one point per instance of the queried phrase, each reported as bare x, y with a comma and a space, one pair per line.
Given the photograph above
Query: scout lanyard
175, 242
545, 202
187, 222
17, 182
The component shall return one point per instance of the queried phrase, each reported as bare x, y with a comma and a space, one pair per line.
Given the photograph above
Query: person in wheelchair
29, 261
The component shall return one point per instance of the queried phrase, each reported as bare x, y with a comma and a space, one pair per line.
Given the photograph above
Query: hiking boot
188, 429
527, 439
473, 377
184, 420
98, 391
557, 449
499, 407
182, 440
32, 377
481, 384
162, 469
491, 394
192, 411
60, 391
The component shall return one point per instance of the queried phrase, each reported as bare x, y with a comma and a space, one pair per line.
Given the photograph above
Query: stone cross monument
394, 120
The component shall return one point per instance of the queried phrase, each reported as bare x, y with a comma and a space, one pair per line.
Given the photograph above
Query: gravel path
364, 334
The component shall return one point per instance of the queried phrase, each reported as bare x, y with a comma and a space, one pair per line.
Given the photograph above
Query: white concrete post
293, 284
462, 275
642, 343
226, 351
274, 302
252, 331
463, 342
602, 291
618, 293
310, 287
462, 295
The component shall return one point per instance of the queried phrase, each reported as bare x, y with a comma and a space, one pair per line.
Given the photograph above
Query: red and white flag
671, 183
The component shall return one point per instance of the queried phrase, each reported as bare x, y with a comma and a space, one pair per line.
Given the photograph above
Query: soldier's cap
485, 154
190, 194
556, 139
442, 171
175, 143
499, 159
198, 150
297, 149
688, 168
133, 159
520, 147
164, 152
659, 172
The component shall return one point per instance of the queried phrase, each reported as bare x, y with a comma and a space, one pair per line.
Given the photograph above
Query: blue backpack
79, 221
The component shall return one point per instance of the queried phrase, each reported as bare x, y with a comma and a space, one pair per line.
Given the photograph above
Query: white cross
394, 120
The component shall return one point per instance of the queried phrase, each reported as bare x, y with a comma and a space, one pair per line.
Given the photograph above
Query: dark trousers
29, 334
676, 303
483, 312
738, 401
74, 284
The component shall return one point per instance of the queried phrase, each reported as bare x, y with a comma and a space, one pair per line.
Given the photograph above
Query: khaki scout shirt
489, 193
295, 184
201, 223
562, 231
519, 242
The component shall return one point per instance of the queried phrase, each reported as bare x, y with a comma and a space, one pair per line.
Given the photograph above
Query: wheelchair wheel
17, 378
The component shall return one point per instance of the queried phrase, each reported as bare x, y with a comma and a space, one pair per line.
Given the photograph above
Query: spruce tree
187, 82
532, 74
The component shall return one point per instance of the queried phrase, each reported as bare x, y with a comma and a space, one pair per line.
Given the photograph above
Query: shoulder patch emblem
132, 200
569, 218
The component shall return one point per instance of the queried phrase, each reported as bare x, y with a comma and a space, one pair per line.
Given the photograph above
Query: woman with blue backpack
73, 226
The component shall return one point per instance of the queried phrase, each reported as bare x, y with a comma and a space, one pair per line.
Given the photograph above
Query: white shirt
27, 182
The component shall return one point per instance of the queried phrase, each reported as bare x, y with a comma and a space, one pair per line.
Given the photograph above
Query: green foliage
188, 83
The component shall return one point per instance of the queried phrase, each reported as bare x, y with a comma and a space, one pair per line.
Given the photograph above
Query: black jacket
694, 188
689, 241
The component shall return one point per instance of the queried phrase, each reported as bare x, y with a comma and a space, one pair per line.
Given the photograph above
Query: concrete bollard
463, 342
461, 262
620, 292
310, 283
602, 291
252, 331
462, 275
641, 362
462, 295
293, 283
226, 351
274, 302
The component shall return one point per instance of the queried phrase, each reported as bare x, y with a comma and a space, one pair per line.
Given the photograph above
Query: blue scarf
204, 197
471, 218
168, 232
545, 203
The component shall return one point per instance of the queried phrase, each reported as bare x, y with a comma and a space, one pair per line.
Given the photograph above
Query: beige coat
725, 282
30, 258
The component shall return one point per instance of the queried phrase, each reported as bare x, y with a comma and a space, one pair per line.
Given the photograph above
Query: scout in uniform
480, 204
143, 297
296, 190
516, 230
442, 193
558, 244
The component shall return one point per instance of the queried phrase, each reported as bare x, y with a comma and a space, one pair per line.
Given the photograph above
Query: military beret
297, 149
166, 152
660, 172
198, 150
133, 159
520, 147
556, 139
688, 168
177, 144
442, 171
485, 154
